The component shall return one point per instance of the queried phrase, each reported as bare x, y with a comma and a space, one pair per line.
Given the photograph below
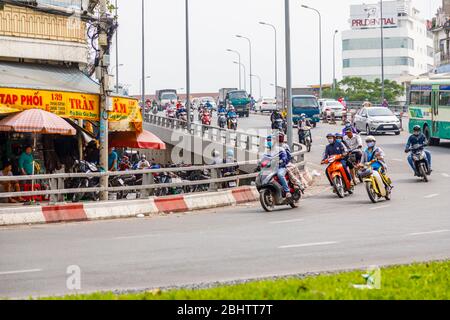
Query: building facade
440, 27
408, 45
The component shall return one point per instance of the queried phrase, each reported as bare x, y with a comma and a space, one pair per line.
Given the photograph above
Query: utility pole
382, 51
143, 58
104, 88
117, 51
290, 136
188, 71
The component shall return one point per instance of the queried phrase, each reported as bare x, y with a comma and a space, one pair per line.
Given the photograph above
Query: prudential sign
368, 16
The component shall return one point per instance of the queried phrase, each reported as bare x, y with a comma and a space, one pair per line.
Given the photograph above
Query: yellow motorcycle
378, 184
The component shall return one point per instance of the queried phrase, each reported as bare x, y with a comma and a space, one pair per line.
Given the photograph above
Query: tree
358, 89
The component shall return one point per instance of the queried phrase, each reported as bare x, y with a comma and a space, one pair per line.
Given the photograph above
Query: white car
211, 100
377, 120
266, 105
332, 106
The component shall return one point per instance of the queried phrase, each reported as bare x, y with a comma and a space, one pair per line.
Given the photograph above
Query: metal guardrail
57, 186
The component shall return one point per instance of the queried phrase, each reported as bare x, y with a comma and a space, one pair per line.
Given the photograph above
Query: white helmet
371, 139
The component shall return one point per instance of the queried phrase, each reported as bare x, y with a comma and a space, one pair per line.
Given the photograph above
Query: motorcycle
377, 185
353, 165
170, 113
222, 121
232, 123
306, 138
280, 125
420, 162
338, 175
82, 166
271, 193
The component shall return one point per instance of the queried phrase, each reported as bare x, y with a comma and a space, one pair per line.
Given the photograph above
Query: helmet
331, 135
303, 115
216, 153
143, 157
230, 153
371, 139
125, 158
338, 135
232, 108
348, 129
417, 128
269, 138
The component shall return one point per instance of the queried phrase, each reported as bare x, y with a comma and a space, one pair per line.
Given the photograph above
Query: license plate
121, 181
388, 127
233, 184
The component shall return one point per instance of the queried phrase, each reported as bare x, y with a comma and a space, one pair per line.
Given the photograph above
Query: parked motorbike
377, 185
420, 161
222, 120
271, 193
338, 175
232, 123
82, 166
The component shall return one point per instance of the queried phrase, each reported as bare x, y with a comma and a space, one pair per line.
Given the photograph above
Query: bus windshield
305, 102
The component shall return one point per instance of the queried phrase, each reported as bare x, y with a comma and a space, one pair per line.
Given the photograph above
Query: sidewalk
89, 211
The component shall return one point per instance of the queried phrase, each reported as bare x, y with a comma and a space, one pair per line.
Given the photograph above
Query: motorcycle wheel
308, 146
339, 186
388, 195
267, 200
423, 172
372, 194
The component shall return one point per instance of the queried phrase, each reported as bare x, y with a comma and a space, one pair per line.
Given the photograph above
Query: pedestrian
113, 159
9, 186
385, 103
26, 162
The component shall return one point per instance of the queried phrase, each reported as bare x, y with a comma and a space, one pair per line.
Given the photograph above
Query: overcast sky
214, 24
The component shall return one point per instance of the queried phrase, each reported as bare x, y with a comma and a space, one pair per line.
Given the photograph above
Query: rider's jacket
353, 143
334, 149
231, 114
222, 110
208, 105
181, 110
276, 115
413, 140
370, 155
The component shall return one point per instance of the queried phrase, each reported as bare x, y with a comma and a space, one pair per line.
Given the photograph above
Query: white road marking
308, 245
398, 160
380, 207
287, 221
136, 237
434, 195
429, 232
19, 271
446, 175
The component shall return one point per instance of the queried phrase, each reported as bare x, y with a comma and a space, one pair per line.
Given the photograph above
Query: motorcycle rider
222, 109
276, 114
374, 155
180, 110
417, 138
279, 152
125, 164
354, 144
231, 114
143, 163
304, 125
348, 125
208, 105
336, 147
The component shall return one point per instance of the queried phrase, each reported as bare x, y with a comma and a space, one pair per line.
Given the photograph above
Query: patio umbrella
134, 140
37, 121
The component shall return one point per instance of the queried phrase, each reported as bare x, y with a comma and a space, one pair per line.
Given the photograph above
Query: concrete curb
132, 208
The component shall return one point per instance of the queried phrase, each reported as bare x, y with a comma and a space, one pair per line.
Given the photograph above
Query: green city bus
429, 107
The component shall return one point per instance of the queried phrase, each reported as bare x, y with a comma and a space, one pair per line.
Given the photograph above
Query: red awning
143, 140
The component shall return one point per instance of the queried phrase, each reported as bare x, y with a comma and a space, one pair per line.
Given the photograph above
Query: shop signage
69, 104
369, 16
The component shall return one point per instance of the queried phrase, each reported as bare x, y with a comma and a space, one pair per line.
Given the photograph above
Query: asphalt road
324, 234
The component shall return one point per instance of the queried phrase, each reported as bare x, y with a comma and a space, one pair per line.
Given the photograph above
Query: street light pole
276, 56
241, 65
320, 46
143, 56
382, 51
239, 55
250, 50
188, 71
290, 135
334, 63
259, 78
117, 51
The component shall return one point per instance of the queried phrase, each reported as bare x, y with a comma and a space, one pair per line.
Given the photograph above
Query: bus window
444, 98
422, 98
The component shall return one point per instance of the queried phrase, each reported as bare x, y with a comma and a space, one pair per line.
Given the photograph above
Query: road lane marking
19, 271
446, 175
429, 232
136, 237
430, 196
380, 207
398, 160
287, 221
308, 245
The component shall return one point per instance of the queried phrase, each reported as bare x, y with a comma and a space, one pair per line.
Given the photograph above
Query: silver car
377, 120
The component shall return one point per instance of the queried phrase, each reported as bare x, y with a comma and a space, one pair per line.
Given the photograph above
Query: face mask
339, 140
371, 144
331, 141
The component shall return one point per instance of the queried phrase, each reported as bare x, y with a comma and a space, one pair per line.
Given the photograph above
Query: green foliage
358, 89
424, 281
